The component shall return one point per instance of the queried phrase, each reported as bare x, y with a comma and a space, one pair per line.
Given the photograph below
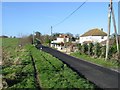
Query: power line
70, 14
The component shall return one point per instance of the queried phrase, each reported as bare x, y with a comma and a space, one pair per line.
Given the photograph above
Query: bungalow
60, 41
93, 35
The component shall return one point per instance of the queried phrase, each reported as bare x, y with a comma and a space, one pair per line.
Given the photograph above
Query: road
102, 77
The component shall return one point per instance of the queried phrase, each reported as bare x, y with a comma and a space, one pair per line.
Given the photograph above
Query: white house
93, 35
59, 42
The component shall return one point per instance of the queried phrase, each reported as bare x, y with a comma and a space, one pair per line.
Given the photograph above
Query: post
114, 23
51, 30
108, 34
50, 38
33, 37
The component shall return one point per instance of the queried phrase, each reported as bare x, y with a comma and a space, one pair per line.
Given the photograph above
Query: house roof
94, 32
63, 36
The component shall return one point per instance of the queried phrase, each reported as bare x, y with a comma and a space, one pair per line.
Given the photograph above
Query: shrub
84, 48
97, 50
90, 49
103, 51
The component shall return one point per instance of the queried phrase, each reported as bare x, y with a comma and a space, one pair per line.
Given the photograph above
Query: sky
22, 18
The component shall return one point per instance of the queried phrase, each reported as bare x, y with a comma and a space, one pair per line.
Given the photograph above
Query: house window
102, 37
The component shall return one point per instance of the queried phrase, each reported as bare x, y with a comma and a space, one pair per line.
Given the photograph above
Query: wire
70, 14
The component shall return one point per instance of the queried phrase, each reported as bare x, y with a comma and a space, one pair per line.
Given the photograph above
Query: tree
69, 34
26, 40
14, 37
73, 39
55, 35
38, 35
47, 39
3, 36
77, 36
10, 36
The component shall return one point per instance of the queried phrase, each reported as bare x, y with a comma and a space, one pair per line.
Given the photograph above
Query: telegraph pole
50, 37
108, 33
33, 37
115, 30
51, 30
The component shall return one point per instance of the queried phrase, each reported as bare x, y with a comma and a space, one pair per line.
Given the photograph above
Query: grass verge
113, 64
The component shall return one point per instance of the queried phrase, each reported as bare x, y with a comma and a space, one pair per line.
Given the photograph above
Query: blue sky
25, 17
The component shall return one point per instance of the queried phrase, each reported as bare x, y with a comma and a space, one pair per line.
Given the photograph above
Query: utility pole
33, 37
51, 30
50, 37
115, 30
108, 33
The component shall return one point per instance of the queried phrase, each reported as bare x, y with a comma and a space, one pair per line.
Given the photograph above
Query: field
28, 67
17, 69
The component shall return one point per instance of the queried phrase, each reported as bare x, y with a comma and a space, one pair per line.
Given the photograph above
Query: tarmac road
102, 77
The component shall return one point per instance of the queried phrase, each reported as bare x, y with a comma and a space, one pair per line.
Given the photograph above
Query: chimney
101, 29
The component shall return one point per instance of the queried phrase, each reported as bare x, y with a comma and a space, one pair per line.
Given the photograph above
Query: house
93, 35
60, 41
111, 41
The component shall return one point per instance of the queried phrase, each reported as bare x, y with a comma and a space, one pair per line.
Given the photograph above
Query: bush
97, 51
79, 47
90, 49
103, 51
84, 48
113, 52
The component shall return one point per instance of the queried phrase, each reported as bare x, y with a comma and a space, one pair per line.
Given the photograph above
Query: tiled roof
63, 36
94, 32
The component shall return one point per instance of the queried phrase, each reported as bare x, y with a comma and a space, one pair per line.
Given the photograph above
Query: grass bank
113, 64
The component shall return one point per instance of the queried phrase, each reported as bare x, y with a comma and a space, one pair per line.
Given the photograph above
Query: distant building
60, 41
111, 41
93, 36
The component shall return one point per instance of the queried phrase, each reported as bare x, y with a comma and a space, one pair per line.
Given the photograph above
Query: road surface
102, 77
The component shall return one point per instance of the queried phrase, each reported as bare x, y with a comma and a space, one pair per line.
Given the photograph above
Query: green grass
100, 61
52, 72
17, 65
55, 74
10, 42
